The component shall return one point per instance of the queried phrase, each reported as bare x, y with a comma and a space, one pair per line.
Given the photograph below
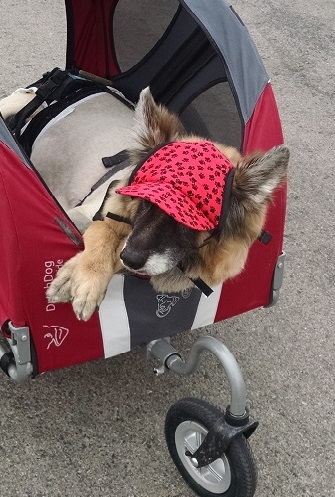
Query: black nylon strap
17, 122
198, 282
203, 287
116, 159
50, 83
38, 123
62, 87
225, 204
118, 218
265, 237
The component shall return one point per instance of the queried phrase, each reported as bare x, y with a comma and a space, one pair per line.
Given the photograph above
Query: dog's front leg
84, 278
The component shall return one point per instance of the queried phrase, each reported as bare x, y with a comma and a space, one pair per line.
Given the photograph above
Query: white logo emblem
165, 304
56, 335
186, 293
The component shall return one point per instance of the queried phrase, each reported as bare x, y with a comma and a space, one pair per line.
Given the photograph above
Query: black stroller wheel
231, 475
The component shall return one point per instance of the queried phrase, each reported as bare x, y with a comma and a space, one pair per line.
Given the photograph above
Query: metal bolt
280, 265
192, 459
160, 370
24, 338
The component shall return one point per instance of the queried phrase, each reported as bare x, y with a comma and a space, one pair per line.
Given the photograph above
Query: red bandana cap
188, 181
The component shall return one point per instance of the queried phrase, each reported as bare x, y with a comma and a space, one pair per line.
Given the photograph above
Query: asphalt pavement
96, 430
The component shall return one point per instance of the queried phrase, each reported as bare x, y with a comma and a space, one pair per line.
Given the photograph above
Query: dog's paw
76, 282
87, 296
60, 288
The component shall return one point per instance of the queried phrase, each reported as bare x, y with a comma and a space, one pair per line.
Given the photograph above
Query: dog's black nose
133, 259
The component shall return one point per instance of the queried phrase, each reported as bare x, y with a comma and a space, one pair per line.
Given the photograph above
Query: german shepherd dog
142, 226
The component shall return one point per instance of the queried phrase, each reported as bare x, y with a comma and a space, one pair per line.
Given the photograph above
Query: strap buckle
54, 81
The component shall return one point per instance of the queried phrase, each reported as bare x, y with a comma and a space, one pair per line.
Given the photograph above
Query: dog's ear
258, 175
154, 123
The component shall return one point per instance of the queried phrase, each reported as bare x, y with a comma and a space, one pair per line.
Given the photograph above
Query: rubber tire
240, 457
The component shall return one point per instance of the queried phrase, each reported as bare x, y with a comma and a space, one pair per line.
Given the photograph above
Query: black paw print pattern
186, 180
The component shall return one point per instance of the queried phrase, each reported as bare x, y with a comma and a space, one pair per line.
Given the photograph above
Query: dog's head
208, 241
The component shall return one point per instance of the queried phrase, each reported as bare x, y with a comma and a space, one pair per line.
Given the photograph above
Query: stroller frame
17, 363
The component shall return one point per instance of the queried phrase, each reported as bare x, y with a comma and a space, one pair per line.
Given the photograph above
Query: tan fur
225, 259
84, 278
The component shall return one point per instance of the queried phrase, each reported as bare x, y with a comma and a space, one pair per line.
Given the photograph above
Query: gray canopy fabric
244, 66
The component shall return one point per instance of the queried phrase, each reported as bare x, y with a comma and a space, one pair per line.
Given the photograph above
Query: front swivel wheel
233, 474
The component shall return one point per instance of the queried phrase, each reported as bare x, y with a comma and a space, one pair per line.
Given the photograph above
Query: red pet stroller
198, 59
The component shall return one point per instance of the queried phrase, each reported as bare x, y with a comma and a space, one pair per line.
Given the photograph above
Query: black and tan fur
84, 279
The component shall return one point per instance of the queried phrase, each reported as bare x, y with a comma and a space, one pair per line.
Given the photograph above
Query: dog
185, 209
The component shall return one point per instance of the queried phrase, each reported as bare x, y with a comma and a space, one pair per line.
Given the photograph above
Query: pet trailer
199, 61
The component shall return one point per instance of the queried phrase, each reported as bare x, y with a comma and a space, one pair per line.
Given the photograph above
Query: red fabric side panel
11, 305
251, 289
89, 36
263, 131
32, 246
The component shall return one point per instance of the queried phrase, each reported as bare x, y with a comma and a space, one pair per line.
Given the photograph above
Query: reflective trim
114, 319
207, 308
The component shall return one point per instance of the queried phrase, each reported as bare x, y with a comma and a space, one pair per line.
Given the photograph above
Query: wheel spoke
188, 446
210, 470
192, 440
199, 439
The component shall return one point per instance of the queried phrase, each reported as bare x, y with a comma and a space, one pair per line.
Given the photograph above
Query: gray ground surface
97, 430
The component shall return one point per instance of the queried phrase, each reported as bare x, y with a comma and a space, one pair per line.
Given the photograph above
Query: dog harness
190, 181
58, 92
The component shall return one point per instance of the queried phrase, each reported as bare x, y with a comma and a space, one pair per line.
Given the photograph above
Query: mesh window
219, 121
138, 26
